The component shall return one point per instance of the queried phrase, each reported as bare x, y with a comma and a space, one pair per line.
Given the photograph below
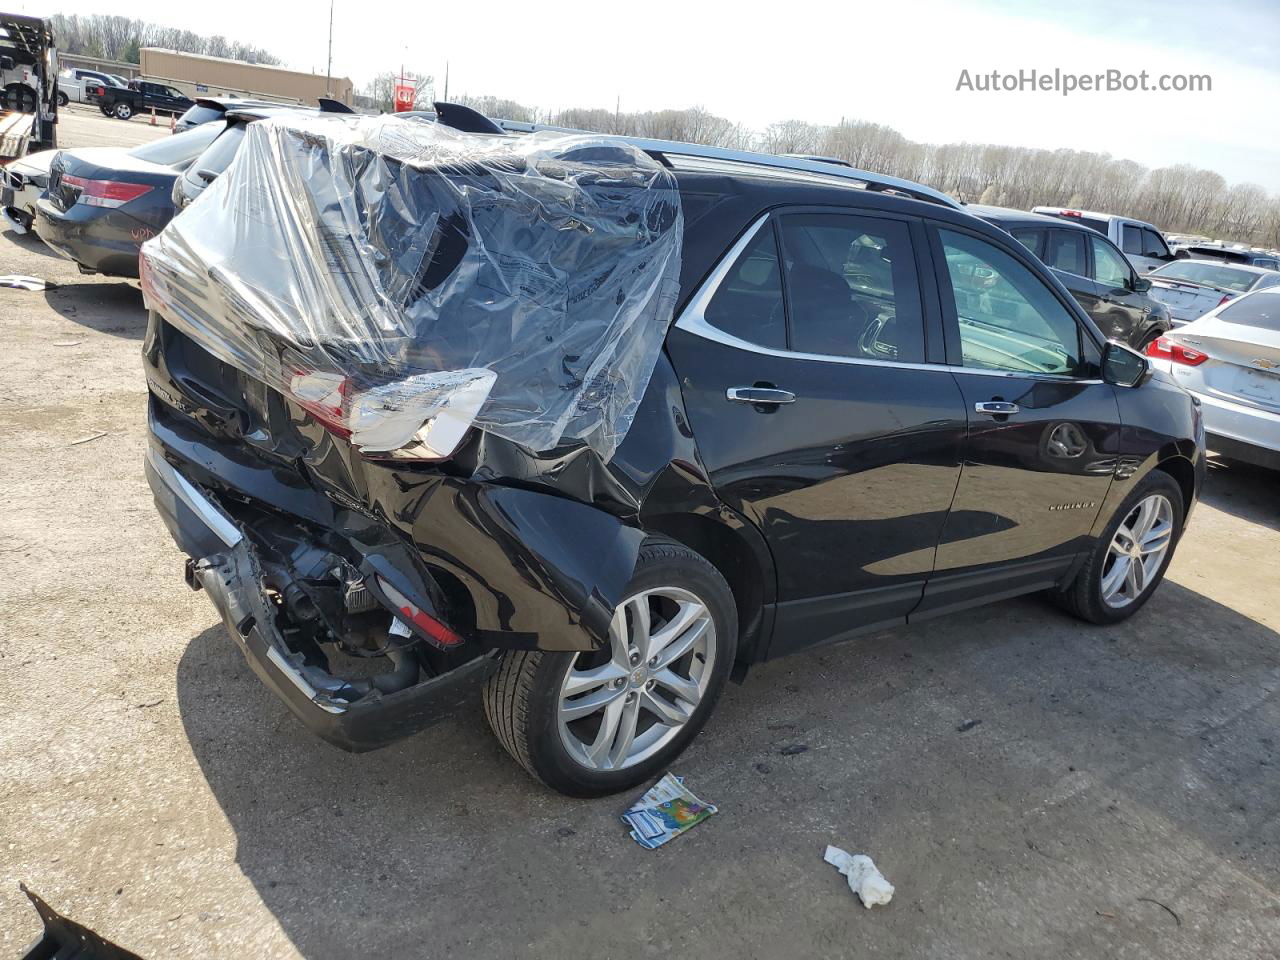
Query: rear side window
1131, 239
1109, 268
1261, 310
1065, 251
748, 303
1030, 237
852, 288
1009, 319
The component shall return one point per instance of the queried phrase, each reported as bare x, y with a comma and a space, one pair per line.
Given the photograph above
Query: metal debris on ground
96, 436
666, 810
864, 879
20, 282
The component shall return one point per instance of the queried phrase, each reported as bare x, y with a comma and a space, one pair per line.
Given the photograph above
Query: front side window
1109, 268
748, 302
1009, 319
1065, 251
1153, 244
852, 289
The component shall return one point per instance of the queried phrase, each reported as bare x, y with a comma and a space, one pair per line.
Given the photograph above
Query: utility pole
328, 67
446, 81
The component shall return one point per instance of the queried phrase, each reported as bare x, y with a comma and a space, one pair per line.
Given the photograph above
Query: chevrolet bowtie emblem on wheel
1074, 506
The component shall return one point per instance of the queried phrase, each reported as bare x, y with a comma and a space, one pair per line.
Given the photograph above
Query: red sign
404, 96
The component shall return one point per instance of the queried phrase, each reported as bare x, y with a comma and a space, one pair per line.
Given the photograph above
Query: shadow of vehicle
107, 306
1243, 490
441, 844
29, 243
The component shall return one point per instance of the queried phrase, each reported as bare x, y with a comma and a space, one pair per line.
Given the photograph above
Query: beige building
200, 76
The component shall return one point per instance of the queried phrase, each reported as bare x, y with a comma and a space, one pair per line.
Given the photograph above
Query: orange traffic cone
153, 116
173, 123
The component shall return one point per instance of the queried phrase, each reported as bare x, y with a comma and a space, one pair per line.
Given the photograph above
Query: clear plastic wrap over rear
404, 281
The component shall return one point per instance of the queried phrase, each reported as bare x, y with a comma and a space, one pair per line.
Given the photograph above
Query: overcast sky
894, 62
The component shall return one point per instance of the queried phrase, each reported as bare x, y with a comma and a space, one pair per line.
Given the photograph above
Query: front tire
63, 100
594, 723
1131, 557
123, 111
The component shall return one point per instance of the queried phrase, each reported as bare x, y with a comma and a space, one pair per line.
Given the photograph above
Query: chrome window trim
693, 320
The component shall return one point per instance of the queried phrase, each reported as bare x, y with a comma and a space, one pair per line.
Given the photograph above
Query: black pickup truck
141, 96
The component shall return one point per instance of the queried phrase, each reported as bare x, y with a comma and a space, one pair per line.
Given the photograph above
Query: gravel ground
1032, 786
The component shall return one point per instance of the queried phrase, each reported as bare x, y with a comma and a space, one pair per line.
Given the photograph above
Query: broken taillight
428, 624
326, 396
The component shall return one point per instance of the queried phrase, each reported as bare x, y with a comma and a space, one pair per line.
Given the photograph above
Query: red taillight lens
428, 624
326, 396
1228, 298
1167, 349
105, 193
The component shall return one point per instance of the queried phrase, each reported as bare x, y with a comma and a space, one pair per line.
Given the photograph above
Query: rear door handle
996, 408
759, 395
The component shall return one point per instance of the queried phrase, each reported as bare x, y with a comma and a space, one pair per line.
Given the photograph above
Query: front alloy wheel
600, 721
1137, 551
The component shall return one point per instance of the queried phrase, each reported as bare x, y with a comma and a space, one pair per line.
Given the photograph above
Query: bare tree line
1178, 199
120, 38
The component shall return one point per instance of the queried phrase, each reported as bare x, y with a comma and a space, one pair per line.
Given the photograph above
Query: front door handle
770, 395
996, 408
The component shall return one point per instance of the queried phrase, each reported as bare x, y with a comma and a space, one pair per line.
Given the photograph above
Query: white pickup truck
1142, 244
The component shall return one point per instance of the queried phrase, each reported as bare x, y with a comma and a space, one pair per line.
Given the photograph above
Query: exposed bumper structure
229, 572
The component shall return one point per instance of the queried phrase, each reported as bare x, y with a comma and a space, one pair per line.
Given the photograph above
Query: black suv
1098, 275
872, 408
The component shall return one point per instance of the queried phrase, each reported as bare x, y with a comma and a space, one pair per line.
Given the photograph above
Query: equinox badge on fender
1074, 506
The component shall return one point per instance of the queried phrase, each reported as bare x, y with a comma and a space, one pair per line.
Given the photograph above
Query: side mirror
1141, 284
1182, 255
1123, 366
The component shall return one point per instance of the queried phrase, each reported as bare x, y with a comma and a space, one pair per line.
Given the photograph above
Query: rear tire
122, 111
537, 701
1102, 592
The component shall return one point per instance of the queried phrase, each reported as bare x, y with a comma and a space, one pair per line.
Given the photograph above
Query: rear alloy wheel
123, 111
601, 721
1130, 558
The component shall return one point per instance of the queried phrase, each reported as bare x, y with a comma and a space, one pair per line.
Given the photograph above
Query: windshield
181, 147
1213, 274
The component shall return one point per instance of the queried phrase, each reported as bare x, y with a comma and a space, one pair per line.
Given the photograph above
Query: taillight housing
395, 421
105, 193
1226, 299
433, 628
1166, 349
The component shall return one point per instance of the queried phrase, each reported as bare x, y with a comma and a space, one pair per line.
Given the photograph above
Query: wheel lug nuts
651, 684
635, 659
653, 662
619, 682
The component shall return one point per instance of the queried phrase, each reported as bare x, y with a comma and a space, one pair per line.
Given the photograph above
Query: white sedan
22, 182
1230, 360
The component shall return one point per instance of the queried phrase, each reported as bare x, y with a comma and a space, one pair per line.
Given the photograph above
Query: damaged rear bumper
228, 569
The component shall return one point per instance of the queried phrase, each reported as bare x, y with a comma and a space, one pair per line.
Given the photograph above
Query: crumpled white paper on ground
864, 879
